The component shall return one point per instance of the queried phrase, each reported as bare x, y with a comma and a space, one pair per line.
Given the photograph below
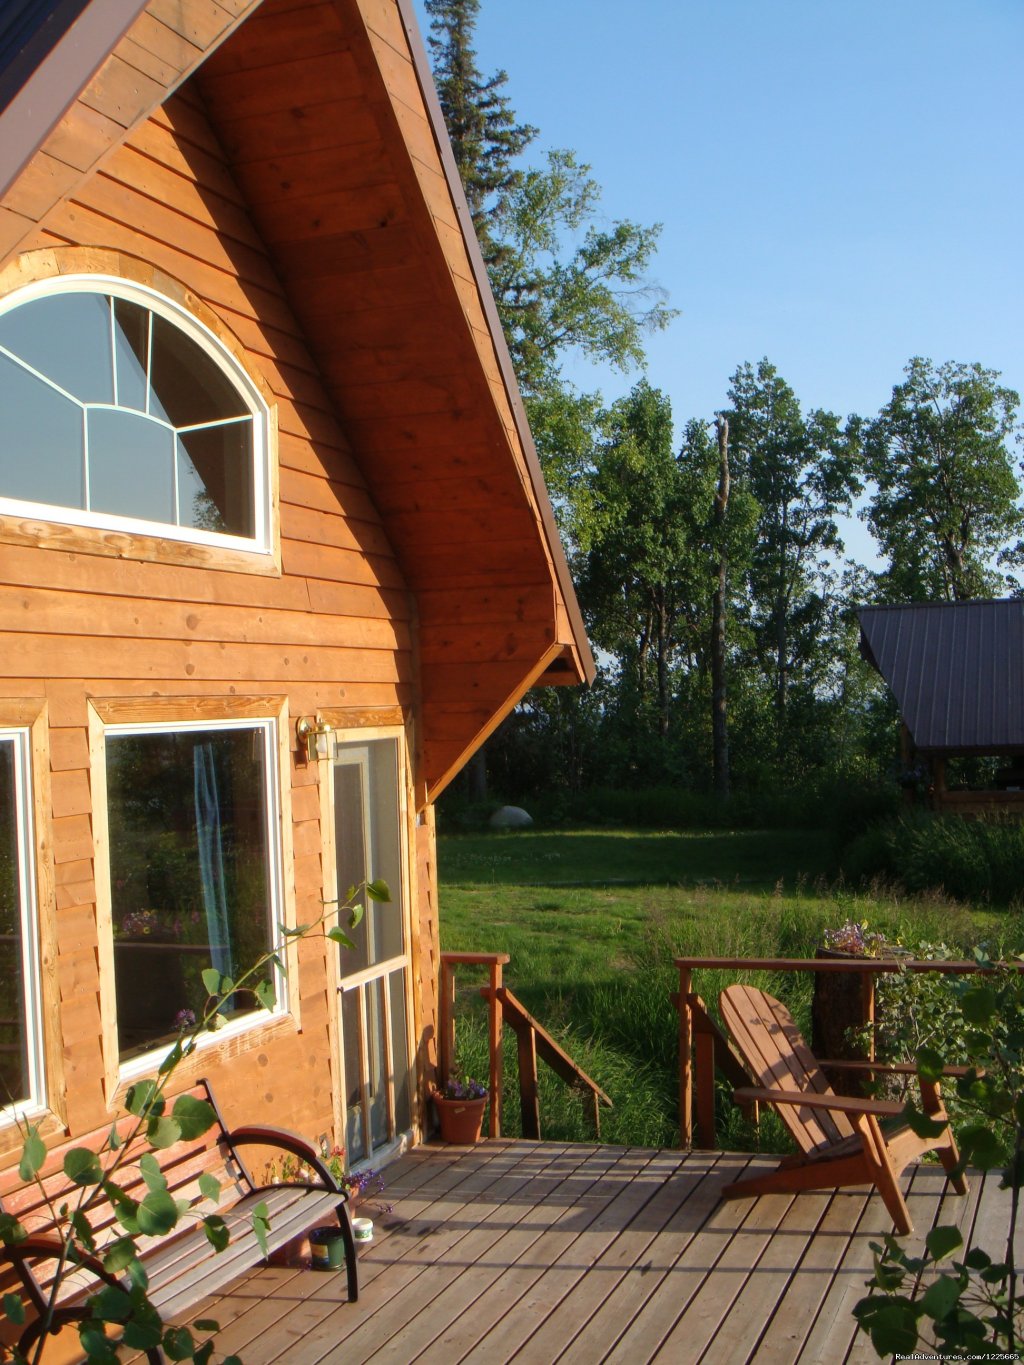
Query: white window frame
261, 542
256, 1020
35, 1102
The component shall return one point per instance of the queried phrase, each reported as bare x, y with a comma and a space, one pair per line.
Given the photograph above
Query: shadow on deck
545, 1252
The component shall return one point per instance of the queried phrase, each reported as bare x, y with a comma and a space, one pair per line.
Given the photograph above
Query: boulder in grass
511, 817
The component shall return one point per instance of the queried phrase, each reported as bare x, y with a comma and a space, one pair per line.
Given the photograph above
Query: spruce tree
485, 136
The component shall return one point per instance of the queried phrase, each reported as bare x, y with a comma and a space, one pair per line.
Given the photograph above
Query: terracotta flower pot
461, 1120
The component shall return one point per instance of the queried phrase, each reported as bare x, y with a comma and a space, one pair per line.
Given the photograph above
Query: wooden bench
182, 1266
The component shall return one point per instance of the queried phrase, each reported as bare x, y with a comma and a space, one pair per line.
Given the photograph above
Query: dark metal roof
956, 670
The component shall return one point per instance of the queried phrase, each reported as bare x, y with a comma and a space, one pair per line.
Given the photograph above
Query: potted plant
460, 1109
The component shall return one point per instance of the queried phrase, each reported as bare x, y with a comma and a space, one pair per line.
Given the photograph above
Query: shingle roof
956, 670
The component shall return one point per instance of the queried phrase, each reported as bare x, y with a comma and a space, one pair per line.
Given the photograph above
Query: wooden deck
540, 1252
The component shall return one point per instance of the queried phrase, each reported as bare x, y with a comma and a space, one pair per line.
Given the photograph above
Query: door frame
366, 734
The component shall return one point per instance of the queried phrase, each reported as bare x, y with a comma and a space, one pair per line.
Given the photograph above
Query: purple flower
184, 1019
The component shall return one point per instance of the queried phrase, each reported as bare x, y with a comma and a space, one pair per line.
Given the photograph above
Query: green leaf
297, 932
11, 1231
178, 1343
143, 1333
141, 1097
111, 1304
203, 1353
158, 1213
929, 1064
211, 980
979, 1004
173, 1057
209, 1186
266, 994
893, 1328
151, 1172
14, 1309
99, 1349
977, 1259
163, 1132
113, 1138
137, 1275
119, 1255
83, 1230
83, 1167
217, 1023
378, 890
194, 1117
941, 1297
980, 1146
261, 1226
337, 935
355, 915
232, 1360
921, 1124
33, 1153
216, 1230
942, 1242
206, 1325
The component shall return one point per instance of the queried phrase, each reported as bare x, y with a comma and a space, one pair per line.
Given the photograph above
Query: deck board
542, 1252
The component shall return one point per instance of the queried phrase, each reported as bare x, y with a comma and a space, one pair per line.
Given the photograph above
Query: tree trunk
662, 664
719, 712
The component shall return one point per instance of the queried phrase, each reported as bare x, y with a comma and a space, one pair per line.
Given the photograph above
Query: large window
122, 411
21, 1079
193, 871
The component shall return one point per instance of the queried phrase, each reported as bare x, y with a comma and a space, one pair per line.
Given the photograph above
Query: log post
529, 1094
685, 1059
494, 1038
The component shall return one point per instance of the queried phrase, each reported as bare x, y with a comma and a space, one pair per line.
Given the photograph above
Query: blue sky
841, 184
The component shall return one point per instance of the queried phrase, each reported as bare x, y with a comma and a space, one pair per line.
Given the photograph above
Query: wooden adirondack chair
842, 1140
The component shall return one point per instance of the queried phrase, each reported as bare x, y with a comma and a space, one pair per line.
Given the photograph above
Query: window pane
400, 1052
40, 441
131, 353
215, 479
188, 387
131, 465
350, 846
355, 1142
190, 872
66, 338
14, 1075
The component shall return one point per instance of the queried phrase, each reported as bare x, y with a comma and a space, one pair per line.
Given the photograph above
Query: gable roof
956, 670
328, 115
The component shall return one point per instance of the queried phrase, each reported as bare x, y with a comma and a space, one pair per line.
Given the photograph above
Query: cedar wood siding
333, 631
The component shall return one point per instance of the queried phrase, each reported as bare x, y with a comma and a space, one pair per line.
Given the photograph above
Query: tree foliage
947, 504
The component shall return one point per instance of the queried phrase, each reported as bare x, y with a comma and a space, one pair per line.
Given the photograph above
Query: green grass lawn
592, 920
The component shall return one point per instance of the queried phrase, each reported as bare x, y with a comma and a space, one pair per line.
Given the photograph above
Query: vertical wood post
529, 1094
446, 1022
685, 1059
704, 1046
867, 1003
494, 1032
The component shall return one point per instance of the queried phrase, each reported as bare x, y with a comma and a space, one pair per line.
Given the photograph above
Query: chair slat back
777, 1058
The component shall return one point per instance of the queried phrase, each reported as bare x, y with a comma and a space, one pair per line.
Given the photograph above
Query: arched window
120, 410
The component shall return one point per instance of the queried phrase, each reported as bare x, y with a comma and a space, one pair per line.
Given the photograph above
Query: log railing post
867, 1009
494, 1021
446, 1021
529, 1091
685, 1059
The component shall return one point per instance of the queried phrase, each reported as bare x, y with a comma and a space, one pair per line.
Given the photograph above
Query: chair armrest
844, 1104
287, 1142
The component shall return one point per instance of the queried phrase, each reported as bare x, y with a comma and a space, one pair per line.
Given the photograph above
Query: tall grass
970, 860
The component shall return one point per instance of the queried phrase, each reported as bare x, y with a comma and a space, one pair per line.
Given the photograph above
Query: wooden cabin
956, 670
275, 550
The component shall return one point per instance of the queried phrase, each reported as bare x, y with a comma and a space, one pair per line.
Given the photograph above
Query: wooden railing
701, 1041
532, 1040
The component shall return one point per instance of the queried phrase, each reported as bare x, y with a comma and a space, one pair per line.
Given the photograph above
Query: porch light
314, 736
